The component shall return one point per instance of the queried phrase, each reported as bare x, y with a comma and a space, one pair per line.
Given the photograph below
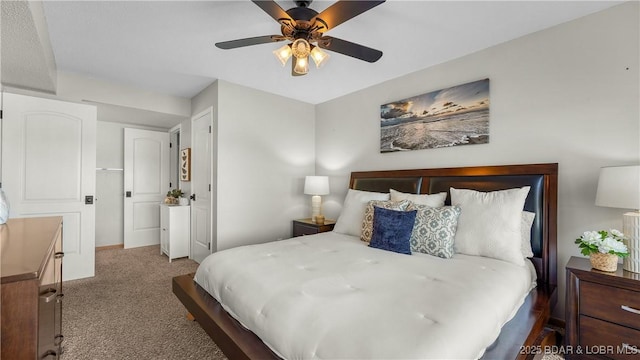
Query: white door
48, 169
146, 182
201, 185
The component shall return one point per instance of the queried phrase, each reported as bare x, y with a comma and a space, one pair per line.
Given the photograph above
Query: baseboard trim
110, 247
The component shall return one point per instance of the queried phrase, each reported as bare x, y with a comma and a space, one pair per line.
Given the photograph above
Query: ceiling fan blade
350, 49
344, 10
226, 45
275, 11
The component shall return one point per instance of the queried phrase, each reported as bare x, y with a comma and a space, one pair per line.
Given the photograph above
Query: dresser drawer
610, 303
610, 340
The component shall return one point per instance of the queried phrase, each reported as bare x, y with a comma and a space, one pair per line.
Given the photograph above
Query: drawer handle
49, 295
630, 309
58, 340
59, 255
59, 298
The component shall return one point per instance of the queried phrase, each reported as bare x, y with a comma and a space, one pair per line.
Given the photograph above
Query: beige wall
263, 148
568, 94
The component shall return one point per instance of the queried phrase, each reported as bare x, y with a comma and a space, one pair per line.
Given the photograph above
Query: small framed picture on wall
185, 164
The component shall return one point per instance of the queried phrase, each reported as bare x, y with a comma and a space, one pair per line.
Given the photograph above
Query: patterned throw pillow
435, 230
367, 221
392, 230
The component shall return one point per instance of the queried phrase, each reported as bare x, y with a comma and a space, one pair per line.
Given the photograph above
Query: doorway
174, 156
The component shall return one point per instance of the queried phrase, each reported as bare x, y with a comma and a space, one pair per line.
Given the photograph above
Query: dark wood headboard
542, 198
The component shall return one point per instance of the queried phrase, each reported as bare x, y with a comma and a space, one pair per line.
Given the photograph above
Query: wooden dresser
31, 251
602, 312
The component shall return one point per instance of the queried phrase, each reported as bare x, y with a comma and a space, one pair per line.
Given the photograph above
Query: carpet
128, 311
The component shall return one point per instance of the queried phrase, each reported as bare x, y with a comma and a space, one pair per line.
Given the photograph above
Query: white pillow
431, 200
527, 223
350, 220
490, 223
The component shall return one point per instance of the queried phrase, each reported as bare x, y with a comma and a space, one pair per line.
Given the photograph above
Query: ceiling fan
305, 28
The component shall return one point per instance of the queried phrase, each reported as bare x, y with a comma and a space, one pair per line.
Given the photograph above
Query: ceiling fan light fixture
303, 26
302, 65
283, 54
301, 48
319, 57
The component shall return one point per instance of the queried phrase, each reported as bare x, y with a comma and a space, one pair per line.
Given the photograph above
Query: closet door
146, 182
48, 169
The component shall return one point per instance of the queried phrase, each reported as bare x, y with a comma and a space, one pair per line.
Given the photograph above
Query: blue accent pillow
392, 230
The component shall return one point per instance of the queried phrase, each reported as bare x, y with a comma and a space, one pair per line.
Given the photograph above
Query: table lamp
619, 187
316, 186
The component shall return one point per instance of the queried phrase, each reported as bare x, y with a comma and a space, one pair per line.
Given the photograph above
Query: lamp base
631, 230
316, 207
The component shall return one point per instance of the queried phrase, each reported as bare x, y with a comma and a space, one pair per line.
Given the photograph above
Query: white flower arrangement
605, 242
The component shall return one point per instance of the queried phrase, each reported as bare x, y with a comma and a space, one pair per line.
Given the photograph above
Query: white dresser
175, 229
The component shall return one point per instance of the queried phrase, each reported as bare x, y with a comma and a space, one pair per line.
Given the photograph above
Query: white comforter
329, 296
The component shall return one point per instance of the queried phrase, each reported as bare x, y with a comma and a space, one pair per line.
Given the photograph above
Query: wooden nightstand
307, 227
602, 312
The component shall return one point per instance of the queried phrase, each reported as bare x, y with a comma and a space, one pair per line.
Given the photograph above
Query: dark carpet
127, 311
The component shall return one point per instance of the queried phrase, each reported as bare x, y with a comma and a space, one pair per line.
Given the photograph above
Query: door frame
175, 148
212, 211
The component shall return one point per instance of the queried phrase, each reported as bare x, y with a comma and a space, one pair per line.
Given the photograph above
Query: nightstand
602, 312
307, 227
175, 226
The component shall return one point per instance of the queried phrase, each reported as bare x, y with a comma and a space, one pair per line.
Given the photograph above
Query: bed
526, 322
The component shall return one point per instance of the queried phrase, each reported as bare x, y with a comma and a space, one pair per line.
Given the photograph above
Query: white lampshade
619, 187
316, 185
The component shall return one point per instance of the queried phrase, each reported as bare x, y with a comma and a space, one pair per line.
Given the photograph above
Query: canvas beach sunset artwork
458, 115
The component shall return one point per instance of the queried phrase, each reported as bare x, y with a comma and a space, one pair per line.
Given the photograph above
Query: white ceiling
168, 46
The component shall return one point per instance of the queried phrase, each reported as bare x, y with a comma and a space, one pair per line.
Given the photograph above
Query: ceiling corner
28, 61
